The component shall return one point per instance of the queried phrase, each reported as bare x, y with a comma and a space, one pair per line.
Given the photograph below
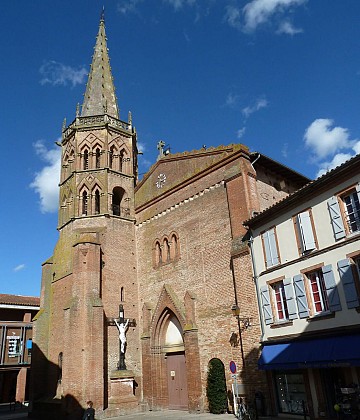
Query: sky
280, 76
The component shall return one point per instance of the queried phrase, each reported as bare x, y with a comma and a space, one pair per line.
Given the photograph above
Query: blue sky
281, 76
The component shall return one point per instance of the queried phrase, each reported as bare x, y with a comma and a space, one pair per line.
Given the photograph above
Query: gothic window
97, 158
118, 194
85, 203
97, 202
86, 159
111, 156
158, 253
166, 250
174, 249
121, 159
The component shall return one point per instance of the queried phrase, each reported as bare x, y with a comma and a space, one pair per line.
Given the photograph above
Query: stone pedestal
122, 389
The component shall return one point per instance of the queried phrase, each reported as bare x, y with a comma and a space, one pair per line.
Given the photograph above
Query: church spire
100, 95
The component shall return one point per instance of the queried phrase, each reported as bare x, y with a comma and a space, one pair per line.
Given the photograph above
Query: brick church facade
166, 252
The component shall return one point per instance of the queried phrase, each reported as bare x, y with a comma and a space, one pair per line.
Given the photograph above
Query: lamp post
236, 312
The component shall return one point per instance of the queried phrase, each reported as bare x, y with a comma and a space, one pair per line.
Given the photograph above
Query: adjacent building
16, 315
162, 258
306, 254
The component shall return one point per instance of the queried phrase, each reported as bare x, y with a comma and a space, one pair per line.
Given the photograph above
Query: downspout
258, 157
255, 278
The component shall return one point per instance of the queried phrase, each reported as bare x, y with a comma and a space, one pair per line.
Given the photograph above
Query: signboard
232, 367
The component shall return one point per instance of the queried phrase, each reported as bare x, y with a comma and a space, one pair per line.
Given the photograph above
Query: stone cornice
181, 203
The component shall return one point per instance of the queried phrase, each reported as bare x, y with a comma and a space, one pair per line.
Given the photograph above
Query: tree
216, 387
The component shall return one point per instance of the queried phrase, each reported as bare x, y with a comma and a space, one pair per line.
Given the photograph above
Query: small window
97, 158
84, 203
270, 248
304, 230
111, 156
158, 254
86, 160
166, 250
352, 211
97, 202
344, 212
321, 291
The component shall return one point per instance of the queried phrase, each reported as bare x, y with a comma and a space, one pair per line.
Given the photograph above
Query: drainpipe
255, 278
258, 157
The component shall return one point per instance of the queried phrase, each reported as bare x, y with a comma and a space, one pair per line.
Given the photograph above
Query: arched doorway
175, 365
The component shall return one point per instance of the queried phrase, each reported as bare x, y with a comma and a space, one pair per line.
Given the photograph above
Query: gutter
255, 278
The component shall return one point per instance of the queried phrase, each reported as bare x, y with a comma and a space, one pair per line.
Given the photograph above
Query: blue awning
318, 353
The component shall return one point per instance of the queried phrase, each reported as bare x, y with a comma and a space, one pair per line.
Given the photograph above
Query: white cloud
56, 74
330, 146
284, 150
337, 160
141, 147
19, 267
259, 104
178, 4
46, 181
240, 133
128, 6
231, 100
233, 16
286, 27
258, 12
325, 140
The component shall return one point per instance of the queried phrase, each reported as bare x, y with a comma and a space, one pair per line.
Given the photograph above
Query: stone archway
171, 363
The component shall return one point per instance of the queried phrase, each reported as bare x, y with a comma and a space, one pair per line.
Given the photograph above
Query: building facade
16, 315
306, 253
162, 258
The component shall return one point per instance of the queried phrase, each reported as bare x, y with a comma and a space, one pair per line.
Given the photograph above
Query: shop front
319, 377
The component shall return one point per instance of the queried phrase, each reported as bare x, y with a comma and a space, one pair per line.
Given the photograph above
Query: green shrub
216, 387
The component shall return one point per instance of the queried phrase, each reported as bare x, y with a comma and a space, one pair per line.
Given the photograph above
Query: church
138, 296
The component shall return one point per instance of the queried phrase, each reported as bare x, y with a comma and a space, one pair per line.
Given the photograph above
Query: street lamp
246, 321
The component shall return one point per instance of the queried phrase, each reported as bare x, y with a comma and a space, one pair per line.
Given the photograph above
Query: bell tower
93, 268
99, 153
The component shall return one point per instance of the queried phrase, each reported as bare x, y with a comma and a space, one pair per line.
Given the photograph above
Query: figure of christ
122, 327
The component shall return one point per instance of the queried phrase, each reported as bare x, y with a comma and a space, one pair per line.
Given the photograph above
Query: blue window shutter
347, 280
331, 289
306, 231
271, 253
266, 241
266, 306
290, 299
301, 296
336, 219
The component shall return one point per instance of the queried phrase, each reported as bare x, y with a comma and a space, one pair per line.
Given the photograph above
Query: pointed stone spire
100, 95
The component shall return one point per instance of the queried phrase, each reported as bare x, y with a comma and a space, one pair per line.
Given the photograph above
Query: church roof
19, 300
100, 95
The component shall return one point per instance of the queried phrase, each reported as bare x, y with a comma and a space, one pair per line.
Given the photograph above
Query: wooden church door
177, 382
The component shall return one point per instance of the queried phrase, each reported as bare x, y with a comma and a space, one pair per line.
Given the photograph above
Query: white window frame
354, 206
320, 283
278, 288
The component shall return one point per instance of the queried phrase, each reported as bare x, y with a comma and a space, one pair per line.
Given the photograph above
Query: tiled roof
19, 300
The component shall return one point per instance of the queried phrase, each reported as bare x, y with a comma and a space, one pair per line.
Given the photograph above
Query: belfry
136, 298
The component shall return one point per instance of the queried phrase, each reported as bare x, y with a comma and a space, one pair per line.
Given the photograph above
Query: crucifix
122, 325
